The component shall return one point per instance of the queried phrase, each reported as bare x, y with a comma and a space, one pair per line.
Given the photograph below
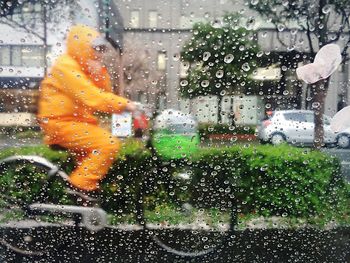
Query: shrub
266, 180
281, 181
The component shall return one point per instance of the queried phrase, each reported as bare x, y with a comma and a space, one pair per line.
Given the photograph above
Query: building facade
157, 31
162, 27
27, 51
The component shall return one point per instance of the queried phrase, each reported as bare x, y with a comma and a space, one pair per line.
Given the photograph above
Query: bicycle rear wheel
24, 180
187, 215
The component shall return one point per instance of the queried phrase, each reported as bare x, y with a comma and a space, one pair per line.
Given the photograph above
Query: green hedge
206, 129
266, 180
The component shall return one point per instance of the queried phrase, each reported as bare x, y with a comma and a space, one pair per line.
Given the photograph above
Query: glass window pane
152, 18
184, 66
37, 7
134, 18
16, 56
32, 56
161, 61
5, 56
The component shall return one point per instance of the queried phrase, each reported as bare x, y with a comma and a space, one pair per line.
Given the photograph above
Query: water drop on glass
228, 58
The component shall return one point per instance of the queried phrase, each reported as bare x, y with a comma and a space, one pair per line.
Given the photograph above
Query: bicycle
203, 216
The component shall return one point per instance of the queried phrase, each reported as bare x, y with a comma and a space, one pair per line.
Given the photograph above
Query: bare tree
140, 72
33, 17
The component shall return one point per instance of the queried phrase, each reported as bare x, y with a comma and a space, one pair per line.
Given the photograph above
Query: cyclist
78, 85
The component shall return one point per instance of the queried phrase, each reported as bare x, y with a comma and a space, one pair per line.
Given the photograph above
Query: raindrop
294, 31
285, 92
251, 24
205, 83
285, 2
246, 67
183, 83
176, 57
254, 2
268, 106
326, 9
27, 239
263, 168
259, 54
45, 120
280, 27
206, 56
228, 58
95, 152
219, 74
217, 24
316, 105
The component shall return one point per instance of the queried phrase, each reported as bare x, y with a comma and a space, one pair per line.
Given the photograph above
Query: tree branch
344, 52
279, 37
308, 34
15, 24
345, 19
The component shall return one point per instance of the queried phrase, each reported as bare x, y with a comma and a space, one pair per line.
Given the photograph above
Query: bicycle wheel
23, 180
188, 216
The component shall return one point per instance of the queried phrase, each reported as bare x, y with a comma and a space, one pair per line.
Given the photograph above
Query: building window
27, 12
184, 66
135, 18
16, 56
152, 19
161, 61
5, 56
32, 56
21, 55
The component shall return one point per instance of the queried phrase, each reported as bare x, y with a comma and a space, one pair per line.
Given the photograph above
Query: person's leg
97, 149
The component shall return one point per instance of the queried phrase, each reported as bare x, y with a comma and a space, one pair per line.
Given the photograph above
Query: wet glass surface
180, 131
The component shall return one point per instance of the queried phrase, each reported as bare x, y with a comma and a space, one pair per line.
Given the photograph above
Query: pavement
75, 244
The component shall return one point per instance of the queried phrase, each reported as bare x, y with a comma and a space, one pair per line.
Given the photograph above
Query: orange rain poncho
69, 95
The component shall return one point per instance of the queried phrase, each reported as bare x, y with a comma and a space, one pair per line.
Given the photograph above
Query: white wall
248, 109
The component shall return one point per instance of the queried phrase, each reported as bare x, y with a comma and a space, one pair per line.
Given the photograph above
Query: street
72, 244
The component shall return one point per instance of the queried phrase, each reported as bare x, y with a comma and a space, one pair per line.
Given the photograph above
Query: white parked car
296, 127
343, 138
